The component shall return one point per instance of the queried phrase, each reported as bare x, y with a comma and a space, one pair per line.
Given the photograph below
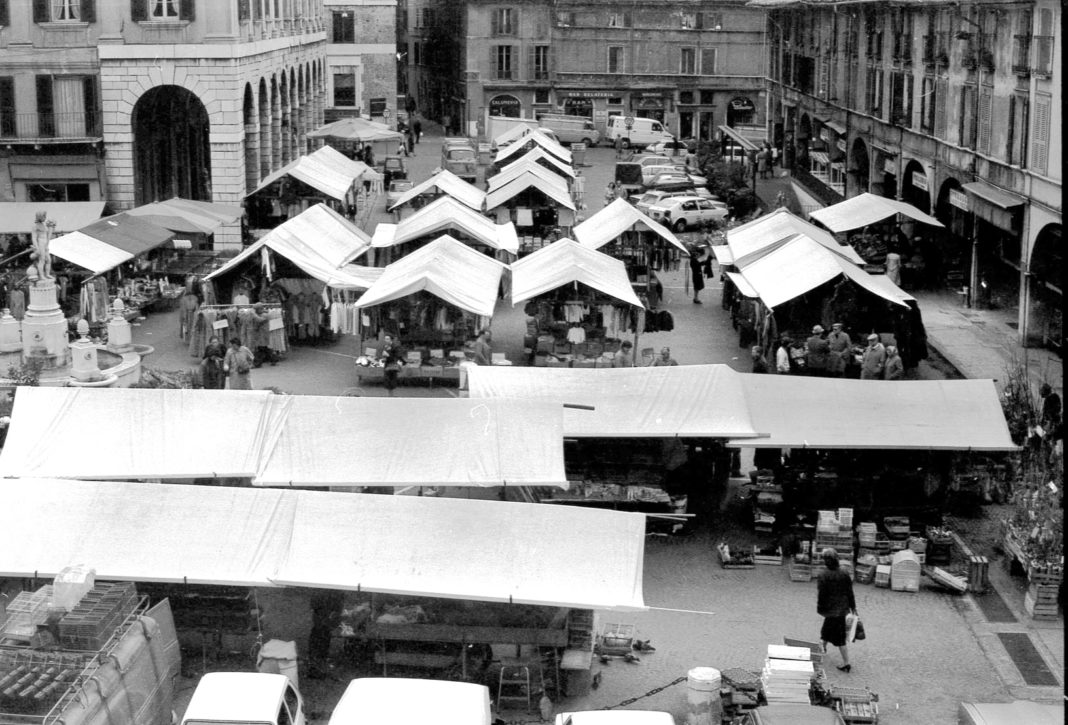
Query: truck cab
408, 701
244, 698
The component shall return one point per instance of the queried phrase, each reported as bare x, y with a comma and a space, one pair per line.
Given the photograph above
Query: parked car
1010, 713
395, 168
396, 190
676, 181
642, 202
656, 160
651, 172
682, 212
679, 147
458, 155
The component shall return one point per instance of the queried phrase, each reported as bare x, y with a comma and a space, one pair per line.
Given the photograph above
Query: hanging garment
576, 335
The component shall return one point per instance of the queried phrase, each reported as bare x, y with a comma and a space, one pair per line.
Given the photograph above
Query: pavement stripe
1027, 659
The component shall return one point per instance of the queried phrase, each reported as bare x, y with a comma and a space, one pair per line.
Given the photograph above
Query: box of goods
26, 611
435, 371
555, 362
800, 569
770, 556
541, 361
845, 518
918, 544
735, 558
1039, 573
866, 535
865, 569
897, 527
898, 544
905, 572
70, 585
545, 344
882, 575
855, 704
1041, 601
561, 348
943, 577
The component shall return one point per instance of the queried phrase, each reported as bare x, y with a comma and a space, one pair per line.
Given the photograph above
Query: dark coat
817, 353
834, 596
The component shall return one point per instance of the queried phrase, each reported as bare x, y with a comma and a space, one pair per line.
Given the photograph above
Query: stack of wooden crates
1041, 599
834, 529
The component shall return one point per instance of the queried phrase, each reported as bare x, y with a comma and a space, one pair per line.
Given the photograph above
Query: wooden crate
800, 572
767, 559
1041, 601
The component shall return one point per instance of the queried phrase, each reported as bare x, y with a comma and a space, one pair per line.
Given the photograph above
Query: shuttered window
986, 121
7, 106
46, 117
5, 13
1040, 134
941, 91
708, 61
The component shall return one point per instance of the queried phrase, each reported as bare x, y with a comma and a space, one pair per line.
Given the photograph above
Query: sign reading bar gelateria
959, 199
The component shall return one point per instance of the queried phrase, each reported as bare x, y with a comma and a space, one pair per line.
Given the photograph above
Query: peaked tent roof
695, 401
543, 159
413, 545
447, 269
553, 189
443, 215
356, 129
565, 261
88, 252
325, 169
108, 242
754, 237
281, 440
187, 215
322, 243
446, 183
523, 167
802, 264
867, 208
529, 142
18, 217
610, 222
514, 133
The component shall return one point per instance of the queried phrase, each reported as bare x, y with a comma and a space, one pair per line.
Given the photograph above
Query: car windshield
461, 155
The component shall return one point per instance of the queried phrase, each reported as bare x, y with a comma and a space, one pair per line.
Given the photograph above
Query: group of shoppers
831, 355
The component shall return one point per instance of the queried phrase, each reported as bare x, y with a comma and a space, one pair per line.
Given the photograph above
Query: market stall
433, 302
540, 157
443, 183
537, 201
323, 176
529, 142
444, 216
350, 135
581, 302
513, 134
644, 245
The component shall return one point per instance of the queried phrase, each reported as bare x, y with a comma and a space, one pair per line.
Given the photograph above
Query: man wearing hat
817, 353
840, 346
871, 367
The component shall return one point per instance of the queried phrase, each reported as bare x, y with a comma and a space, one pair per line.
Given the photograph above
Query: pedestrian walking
874, 359
211, 365
619, 147
402, 147
417, 129
782, 357
894, 369
762, 159
409, 139
369, 156
760, 363
840, 349
817, 353
237, 364
697, 272
834, 600
392, 357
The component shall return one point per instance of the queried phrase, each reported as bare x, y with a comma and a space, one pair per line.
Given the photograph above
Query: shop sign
590, 94
889, 166
841, 145
742, 104
182, 243
656, 94
499, 101
959, 199
600, 115
825, 135
220, 324
919, 180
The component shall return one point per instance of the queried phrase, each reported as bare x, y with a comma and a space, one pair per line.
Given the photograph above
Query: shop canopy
446, 268
529, 143
555, 190
356, 130
750, 240
566, 261
543, 159
957, 415
686, 401
107, 243
867, 208
612, 221
513, 134
326, 169
448, 184
319, 241
189, 216
18, 217
280, 440
525, 167
497, 551
448, 215
801, 264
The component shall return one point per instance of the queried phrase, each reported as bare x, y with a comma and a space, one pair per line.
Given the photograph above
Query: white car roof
244, 697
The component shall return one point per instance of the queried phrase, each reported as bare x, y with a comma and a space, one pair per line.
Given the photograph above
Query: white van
404, 701
642, 132
571, 129
615, 717
243, 698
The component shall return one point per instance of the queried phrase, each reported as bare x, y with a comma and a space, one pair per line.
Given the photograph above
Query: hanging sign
890, 166
959, 199
919, 180
182, 243
275, 323
220, 324
742, 104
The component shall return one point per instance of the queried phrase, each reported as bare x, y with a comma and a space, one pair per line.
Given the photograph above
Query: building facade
134, 101
694, 65
361, 58
948, 106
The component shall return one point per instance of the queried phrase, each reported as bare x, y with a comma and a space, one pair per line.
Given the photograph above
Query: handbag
859, 633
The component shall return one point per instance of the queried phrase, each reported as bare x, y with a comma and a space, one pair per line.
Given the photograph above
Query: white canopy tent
325, 169
686, 401
319, 241
513, 134
188, 215
867, 208
17, 217
106, 243
88, 252
542, 158
496, 551
444, 183
447, 269
959, 415
610, 222
566, 261
445, 215
554, 189
529, 142
755, 237
525, 167
281, 440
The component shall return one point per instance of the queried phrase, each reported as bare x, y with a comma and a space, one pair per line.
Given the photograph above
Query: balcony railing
49, 126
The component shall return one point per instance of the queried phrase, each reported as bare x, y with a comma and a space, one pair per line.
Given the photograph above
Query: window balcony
1021, 55
49, 127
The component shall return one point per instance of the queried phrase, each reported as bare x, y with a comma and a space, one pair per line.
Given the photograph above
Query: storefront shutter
1040, 135
5, 14
40, 11
986, 102
189, 10
138, 10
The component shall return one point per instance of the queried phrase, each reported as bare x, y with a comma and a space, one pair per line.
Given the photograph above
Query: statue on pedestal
41, 268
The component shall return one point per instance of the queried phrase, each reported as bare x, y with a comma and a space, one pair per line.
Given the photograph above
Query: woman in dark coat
211, 365
834, 601
697, 273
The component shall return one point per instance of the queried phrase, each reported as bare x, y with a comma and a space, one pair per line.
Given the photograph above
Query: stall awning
609, 223
995, 205
446, 215
326, 169
356, 130
318, 240
749, 240
17, 217
187, 215
566, 261
528, 143
525, 167
723, 255
494, 551
282, 440
116, 239
87, 252
447, 183
513, 134
867, 208
743, 285
836, 127
994, 195
445, 268
543, 159
738, 138
687, 401
820, 157
958, 415
554, 190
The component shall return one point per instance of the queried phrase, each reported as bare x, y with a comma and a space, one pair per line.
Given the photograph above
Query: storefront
505, 105
1045, 315
741, 111
649, 105
996, 245
884, 181
915, 188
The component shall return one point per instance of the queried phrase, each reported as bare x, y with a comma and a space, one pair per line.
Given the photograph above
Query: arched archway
859, 167
172, 150
914, 186
505, 105
1045, 315
252, 138
955, 247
